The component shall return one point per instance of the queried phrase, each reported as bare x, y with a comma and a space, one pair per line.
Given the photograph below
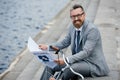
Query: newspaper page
44, 56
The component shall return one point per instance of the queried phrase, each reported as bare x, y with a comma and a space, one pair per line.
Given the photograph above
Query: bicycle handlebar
55, 48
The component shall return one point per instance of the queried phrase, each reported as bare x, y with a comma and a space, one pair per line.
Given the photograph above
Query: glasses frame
78, 16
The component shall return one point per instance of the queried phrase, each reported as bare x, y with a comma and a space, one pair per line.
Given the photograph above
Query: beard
77, 23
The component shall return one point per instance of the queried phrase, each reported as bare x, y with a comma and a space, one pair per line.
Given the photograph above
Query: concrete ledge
113, 75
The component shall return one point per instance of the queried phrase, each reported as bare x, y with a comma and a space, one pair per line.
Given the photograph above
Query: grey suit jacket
91, 45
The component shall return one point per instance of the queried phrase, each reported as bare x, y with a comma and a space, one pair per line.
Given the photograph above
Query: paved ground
104, 13
107, 20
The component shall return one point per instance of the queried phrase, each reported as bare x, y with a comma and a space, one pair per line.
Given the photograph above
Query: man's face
78, 17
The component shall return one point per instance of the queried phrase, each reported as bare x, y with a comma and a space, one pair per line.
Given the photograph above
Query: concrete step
18, 66
92, 10
106, 25
109, 45
38, 74
114, 75
30, 70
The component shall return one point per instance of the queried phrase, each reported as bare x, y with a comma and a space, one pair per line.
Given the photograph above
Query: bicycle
58, 75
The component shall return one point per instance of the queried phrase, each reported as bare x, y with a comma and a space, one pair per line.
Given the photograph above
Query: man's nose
76, 18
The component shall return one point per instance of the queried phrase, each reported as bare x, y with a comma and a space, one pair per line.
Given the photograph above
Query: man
87, 55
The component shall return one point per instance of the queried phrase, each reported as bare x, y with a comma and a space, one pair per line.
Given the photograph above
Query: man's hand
52, 78
59, 61
43, 46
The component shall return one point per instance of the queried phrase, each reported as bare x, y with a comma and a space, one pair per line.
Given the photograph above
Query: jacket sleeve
92, 38
64, 43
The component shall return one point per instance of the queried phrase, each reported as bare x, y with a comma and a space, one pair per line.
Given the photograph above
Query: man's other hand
52, 78
59, 61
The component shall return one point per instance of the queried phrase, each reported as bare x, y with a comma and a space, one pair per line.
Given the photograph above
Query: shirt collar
80, 29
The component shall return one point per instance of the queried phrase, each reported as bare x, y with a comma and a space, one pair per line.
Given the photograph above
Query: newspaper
44, 56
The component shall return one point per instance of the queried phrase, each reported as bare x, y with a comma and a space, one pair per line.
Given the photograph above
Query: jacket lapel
83, 30
73, 40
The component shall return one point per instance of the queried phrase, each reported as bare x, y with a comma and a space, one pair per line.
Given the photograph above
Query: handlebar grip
55, 48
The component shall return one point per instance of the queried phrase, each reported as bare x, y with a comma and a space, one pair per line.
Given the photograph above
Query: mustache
76, 21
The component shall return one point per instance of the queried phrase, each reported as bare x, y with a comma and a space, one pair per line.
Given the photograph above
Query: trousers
81, 67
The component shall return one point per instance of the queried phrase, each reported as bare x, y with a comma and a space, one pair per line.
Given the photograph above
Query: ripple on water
15, 30
4, 27
3, 49
7, 56
3, 66
1, 13
28, 18
37, 27
4, 2
15, 37
27, 25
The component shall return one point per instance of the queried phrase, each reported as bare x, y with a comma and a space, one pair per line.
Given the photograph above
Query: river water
20, 19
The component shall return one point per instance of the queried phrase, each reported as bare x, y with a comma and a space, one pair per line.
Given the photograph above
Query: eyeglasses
78, 16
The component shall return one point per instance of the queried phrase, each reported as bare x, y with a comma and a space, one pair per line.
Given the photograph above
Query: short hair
77, 6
